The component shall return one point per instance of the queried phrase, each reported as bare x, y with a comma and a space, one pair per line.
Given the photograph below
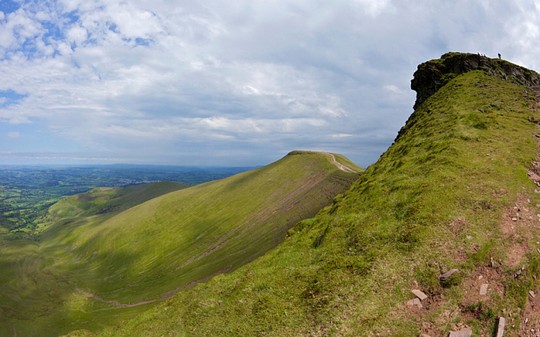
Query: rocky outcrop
432, 75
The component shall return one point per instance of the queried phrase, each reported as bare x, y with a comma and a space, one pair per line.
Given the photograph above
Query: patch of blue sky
29, 48
143, 42
53, 34
53, 31
113, 27
71, 17
10, 97
9, 6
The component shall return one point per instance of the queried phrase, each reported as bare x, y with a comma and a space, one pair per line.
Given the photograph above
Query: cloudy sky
229, 82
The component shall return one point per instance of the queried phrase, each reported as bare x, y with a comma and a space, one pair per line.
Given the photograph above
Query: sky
232, 83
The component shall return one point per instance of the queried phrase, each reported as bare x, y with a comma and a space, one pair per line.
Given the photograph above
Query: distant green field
26, 192
99, 260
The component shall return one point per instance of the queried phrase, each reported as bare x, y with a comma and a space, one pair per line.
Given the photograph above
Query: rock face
466, 332
432, 75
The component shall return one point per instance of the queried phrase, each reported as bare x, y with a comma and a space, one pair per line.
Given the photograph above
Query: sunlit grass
103, 260
434, 201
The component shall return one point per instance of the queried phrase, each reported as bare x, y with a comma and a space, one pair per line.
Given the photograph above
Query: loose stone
467, 332
415, 303
500, 327
420, 294
483, 289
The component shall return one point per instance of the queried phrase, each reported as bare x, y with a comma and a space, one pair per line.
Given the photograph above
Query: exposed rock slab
419, 293
501, 326
483, 289
415, 303
466, 332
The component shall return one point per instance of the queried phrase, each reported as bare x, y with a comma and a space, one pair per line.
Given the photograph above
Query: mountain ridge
451, 193
104, 255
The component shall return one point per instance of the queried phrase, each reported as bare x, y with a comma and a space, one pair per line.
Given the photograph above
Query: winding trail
339, 165
115, 304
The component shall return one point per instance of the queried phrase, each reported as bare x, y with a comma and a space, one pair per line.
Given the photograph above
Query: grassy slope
114, 265
441, 197
105, 200
31, 286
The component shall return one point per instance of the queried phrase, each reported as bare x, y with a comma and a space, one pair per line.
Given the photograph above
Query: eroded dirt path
339, 165
115, 304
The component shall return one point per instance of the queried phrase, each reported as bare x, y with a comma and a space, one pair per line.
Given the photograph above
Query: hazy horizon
221, 84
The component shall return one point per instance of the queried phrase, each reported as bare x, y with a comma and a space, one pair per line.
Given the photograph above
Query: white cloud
77, 34
42, 16
393, 89
198, 78
342, 135
133, 22
374, 7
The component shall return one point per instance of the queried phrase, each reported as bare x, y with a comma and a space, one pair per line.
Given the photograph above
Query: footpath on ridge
339, 165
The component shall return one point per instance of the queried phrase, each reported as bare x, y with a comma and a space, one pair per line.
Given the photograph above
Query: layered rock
432, 75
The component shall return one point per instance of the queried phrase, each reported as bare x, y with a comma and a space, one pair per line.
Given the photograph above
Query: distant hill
103, 200
451, 209
26, 192
100, 260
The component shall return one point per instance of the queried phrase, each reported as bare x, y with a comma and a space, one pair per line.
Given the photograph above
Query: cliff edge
432, 75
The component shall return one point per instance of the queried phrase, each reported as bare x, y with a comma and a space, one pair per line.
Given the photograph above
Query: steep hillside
450, 207
31, 286
102, 267
104, 200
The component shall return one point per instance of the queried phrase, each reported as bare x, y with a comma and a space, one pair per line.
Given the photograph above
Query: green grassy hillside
31, 286
453, 192
105, 200
96, 264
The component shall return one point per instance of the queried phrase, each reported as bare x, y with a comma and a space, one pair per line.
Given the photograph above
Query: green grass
104, 200
435, 200
103, 261
33, 290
